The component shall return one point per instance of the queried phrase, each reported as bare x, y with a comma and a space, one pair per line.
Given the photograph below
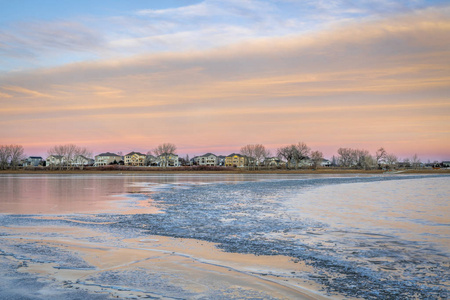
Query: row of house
164, 160
108, 158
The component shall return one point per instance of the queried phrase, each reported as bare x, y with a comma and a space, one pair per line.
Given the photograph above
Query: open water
373, 237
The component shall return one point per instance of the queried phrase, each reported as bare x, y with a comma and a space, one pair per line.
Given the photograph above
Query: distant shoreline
225, 171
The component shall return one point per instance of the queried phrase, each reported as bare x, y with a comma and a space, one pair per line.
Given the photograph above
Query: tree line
11, 156
68, 156
294, 155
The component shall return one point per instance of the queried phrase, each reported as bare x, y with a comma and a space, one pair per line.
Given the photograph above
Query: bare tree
16, 155
380, 156
5, 156
255, 154
70, 151
316, 157
357, 158
81, 154
415, 161
293, 154
164, 151
301, 152
370, 162
261, 153
68, 155
391, 160
249, 151
363, 159
287, 153
346, 157
59, 153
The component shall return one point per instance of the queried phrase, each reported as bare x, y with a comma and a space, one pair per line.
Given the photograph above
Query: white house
33, 161
207, 159
81, 160
168, 160
107, 158
55, 160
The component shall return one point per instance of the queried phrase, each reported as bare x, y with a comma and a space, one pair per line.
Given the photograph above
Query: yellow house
235, 160
134, 159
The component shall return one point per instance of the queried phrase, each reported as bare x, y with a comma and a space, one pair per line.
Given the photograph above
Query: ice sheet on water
251, 217
255, 216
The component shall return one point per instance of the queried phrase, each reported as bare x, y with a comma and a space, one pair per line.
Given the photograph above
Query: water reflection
55, 194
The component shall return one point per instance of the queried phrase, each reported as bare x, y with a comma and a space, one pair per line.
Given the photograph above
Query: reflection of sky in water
370, 236
417, 210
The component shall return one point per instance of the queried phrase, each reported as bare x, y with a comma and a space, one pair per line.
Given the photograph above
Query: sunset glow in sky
213, 76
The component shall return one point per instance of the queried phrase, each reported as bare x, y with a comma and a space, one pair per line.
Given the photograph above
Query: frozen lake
373, 237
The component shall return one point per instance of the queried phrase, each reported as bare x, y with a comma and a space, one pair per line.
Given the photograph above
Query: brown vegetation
118, 169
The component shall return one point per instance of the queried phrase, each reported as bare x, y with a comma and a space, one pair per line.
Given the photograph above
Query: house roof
35, 157
132, 153
273, 158
82, 156
108, 154
56, 156
208, 154
236, 154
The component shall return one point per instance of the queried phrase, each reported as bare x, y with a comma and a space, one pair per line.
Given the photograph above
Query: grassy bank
209, 170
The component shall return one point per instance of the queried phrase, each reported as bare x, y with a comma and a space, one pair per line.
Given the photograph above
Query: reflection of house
107, 158
168, 160
134, 159
33, 161
55, 160
235, 160
207, 159
81, 160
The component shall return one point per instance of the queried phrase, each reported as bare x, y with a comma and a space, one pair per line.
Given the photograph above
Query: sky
213, 76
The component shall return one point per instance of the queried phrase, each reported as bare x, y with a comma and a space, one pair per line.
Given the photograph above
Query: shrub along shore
116, 169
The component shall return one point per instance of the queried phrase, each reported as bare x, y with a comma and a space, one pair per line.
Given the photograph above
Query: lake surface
374, 237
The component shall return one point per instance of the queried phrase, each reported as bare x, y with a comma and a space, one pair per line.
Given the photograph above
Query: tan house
236, 160
134, 159
107, 158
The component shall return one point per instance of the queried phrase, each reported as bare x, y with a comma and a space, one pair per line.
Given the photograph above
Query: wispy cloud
32, 40
376, 53
24, 92
390, 76
5, 95
208, 24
